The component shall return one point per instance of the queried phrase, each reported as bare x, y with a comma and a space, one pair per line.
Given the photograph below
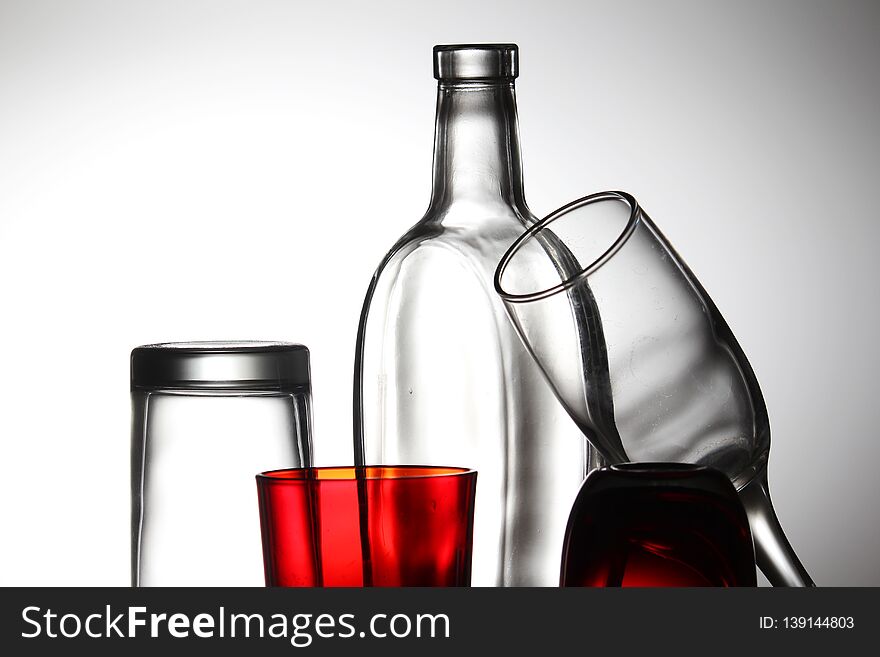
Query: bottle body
441, 378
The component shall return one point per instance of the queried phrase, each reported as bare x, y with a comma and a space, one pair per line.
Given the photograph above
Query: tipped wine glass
639, 355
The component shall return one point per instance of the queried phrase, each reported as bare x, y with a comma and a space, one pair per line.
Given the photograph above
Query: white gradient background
217, 170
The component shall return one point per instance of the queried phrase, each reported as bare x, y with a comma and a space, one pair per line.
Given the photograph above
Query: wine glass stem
774, 554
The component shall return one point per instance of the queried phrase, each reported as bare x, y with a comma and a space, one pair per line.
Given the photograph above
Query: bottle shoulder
442, 274
477, 234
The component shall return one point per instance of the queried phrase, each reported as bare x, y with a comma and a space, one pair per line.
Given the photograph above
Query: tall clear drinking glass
207, 416
639, 355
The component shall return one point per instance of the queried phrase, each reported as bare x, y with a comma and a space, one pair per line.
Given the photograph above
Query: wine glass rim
621, 239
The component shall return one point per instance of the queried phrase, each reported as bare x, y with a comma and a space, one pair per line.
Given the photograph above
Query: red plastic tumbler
367, 526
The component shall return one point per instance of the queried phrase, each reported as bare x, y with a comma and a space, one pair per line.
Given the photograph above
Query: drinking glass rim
624, 235
367, 472
657, 467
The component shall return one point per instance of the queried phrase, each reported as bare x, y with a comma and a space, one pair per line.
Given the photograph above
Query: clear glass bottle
441, 377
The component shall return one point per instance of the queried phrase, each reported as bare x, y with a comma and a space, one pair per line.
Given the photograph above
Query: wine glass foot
773, 553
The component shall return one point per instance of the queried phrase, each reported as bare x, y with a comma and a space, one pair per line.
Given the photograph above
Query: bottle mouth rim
476, 61
450, 47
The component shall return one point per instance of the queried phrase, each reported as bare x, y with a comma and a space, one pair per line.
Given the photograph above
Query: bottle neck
476, 145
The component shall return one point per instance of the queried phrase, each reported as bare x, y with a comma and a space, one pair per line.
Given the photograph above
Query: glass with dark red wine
658, 525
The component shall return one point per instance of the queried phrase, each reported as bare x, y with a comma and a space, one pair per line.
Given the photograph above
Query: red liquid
669, 527
389, 526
